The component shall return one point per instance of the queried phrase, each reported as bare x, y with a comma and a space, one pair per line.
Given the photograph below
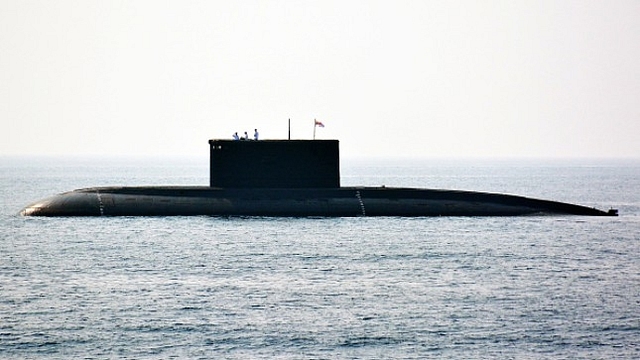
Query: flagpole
314, 129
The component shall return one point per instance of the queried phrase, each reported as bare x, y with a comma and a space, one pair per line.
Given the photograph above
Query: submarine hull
295, 202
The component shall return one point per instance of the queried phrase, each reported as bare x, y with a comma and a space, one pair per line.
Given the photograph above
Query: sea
533, 287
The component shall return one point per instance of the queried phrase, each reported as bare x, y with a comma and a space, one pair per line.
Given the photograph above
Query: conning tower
274, 164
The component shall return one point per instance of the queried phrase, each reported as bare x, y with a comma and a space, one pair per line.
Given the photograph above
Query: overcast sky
387, 78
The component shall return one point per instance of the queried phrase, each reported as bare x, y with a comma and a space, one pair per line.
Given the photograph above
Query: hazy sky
396, 78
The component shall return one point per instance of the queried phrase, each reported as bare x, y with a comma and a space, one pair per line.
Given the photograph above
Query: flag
318, 123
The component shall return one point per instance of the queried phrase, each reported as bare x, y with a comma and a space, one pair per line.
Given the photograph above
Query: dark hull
337, 202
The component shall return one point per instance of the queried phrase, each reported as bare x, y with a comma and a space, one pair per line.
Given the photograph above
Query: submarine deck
323, 202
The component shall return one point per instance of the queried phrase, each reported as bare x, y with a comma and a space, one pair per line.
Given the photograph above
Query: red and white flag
318, 123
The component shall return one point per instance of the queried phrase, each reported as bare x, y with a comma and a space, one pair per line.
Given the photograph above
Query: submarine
289, 178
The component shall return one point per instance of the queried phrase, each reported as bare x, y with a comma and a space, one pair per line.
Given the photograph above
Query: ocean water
324, 288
